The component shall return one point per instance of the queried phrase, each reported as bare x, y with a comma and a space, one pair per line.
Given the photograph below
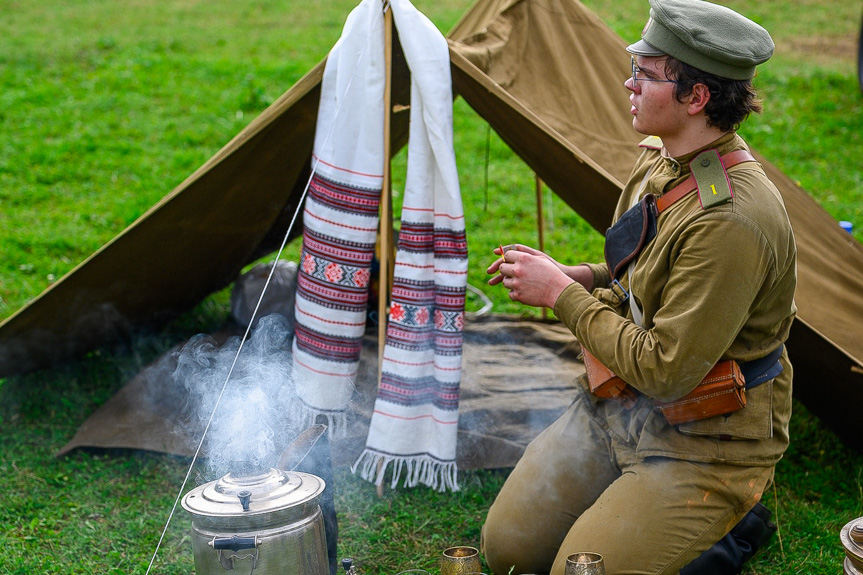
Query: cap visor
642, 48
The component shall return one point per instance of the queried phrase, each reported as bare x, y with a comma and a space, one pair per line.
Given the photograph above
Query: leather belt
758, 371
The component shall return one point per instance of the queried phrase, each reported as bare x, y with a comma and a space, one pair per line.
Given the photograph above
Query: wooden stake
540, 224
386, 222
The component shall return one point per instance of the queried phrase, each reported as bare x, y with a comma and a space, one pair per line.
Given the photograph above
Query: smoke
257, 414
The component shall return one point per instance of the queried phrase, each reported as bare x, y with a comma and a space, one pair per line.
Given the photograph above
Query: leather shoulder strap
690, 184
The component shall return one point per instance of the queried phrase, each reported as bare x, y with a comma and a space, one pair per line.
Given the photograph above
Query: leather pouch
722, 391
604, 383
628, 236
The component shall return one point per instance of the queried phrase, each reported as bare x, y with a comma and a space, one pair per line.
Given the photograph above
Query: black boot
729, 554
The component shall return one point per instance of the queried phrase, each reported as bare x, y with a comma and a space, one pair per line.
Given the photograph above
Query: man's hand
532, 277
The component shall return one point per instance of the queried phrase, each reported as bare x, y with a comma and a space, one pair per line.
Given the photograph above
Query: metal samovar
852, 539
264, 524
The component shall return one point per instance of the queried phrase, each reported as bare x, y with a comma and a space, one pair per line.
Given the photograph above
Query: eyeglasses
636, 79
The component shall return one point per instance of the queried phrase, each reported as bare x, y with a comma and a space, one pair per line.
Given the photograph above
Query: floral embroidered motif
309, 263
397, 312
333, 272
448, 320
361, 277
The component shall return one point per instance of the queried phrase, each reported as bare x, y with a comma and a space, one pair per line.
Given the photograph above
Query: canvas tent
575, 133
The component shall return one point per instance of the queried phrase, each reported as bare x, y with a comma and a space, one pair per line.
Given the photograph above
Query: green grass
106, 106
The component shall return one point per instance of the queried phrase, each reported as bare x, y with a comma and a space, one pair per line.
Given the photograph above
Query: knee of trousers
509, 545
494, 543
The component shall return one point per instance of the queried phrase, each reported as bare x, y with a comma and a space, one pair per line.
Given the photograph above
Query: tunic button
705, 162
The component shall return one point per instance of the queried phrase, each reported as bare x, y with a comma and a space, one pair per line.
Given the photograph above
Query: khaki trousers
579, 487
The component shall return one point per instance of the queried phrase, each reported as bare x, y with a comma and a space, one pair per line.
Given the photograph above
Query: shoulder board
652, 142
711, 179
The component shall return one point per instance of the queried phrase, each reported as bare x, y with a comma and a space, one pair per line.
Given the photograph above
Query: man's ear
698, 98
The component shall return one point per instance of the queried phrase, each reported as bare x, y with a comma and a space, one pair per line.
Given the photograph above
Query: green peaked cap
709, 37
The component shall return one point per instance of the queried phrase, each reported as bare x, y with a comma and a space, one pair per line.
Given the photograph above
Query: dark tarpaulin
575, 132
519, 376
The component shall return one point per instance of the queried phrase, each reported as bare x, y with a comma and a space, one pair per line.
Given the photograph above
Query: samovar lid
272, 491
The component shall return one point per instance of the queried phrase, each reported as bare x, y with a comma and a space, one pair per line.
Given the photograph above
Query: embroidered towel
341, 218
415, 420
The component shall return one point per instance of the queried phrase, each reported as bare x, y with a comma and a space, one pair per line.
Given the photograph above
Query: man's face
655, 110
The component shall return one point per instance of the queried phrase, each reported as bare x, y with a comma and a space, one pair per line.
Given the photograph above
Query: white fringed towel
415, 420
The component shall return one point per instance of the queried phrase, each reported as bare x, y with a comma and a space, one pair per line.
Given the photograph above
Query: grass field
106, 106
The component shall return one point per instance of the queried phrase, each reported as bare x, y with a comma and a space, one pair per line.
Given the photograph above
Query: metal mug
585, 563
460, 560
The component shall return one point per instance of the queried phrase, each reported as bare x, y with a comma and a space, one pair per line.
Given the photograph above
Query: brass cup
460, 561
585, 563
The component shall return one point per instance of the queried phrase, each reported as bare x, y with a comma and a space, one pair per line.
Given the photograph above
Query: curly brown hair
731, 101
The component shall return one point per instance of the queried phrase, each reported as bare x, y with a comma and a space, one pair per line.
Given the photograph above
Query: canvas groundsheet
519, 375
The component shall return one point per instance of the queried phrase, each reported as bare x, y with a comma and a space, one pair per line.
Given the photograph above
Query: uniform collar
679, 166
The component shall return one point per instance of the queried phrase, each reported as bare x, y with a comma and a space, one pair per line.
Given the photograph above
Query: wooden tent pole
540, 224
386, 221
540, 218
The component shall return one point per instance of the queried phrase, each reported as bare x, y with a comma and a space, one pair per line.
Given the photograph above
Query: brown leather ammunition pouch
604, 383
722, 391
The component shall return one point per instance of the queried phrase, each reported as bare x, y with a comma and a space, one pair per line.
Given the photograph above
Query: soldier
701, 269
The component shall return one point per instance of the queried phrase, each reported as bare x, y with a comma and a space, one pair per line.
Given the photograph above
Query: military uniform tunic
715, 283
